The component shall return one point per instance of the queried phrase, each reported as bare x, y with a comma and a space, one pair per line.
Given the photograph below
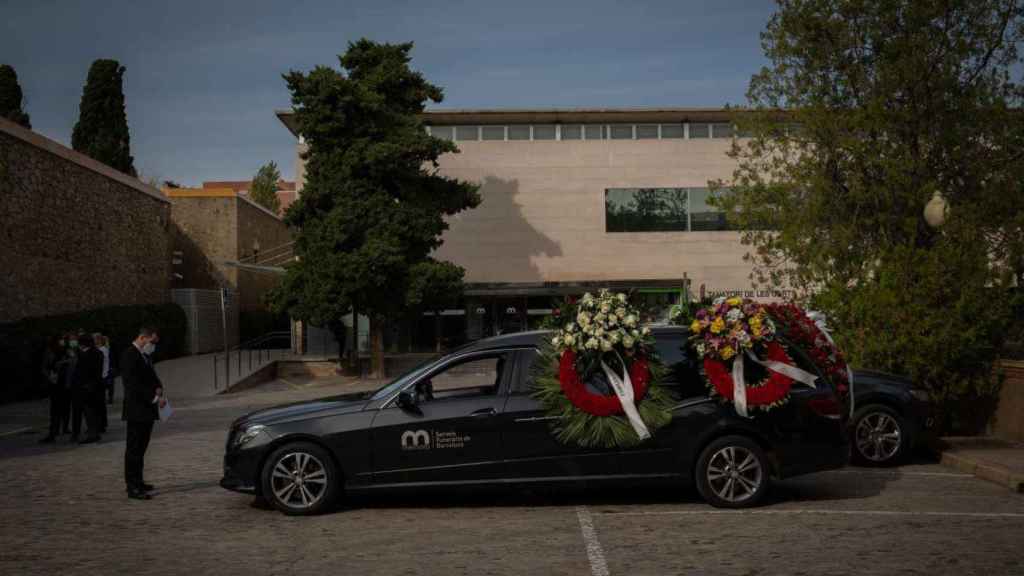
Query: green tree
866, 111
11, 99
434, 286
264, 187
373, 203
102, 128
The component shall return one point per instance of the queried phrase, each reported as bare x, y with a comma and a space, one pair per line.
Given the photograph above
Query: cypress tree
11, 98
102, 128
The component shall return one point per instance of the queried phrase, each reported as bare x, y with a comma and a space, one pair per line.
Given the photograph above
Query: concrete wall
76, 233
203, 230
542, 216
1009, 420
257, 224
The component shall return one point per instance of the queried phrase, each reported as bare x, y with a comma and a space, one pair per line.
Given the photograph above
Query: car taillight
827, 406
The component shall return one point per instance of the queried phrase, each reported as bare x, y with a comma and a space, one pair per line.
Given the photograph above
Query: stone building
577, 199
222, 240
77, 234
286, 193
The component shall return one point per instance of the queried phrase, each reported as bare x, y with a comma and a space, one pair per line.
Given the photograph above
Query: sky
203, 78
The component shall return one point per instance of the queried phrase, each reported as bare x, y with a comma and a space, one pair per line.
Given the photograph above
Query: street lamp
935, 210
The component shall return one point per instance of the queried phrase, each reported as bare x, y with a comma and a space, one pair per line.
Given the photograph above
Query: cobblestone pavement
65, 512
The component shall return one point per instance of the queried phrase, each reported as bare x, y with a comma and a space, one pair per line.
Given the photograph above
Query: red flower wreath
599, 404
804, 332
769, 391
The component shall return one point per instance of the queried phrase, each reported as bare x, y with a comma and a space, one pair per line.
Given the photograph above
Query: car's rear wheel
300, 479
880, 436
732, 472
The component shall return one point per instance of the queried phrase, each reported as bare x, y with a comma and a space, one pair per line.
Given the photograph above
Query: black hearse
468, 418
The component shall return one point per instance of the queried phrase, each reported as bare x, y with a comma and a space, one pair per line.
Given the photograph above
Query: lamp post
935, 211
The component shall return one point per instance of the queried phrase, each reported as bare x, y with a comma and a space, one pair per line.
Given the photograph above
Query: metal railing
244, 352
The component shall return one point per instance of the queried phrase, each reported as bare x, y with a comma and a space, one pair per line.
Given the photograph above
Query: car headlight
248, 434
920, 394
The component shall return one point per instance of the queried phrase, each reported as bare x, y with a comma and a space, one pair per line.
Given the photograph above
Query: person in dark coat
87, 390
55, 364
143, 397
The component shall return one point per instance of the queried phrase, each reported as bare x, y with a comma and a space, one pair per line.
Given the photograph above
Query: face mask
149, 348
74, 343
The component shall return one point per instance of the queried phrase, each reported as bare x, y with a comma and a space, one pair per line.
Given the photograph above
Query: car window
477, 376
523, 384
682, 370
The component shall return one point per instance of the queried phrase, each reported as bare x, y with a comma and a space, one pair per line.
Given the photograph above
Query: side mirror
407, 402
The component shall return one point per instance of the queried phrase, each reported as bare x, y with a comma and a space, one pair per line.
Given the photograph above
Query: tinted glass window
545, 132
493, 132
574, 132
671, 131
466, 133
474, 377
594, 131
645, 209
703, 216
442, 132
722, 131
622, 131
646, 131
700, 131
682, 372
518, 132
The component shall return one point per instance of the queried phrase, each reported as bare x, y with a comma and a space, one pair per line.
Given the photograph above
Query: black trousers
108, 383
79, 405
60, 410
135, 452
99, 403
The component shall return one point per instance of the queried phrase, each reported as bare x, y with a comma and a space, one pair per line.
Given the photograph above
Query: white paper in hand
166, 412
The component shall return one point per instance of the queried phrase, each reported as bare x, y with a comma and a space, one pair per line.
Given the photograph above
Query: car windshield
398, 383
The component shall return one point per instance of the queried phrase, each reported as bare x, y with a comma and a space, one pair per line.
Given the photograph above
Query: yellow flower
755, 323
695, 327
718, 325
734, 301
727, 352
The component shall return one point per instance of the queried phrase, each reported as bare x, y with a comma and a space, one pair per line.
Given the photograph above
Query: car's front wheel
732, 472
880, 436
300, 479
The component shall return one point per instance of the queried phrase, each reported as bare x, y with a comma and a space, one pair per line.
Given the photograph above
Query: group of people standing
79, 370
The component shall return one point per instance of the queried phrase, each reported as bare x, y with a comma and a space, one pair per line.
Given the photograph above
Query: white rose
718, 301
592, 344
605, 308
614, 337
733, 315
700, 349
612, 320
599, 318
570, 327
599, 332
621, 297
606, 346
645, 331
620, 312
587, 299
630, 320
569, 340
583, 318
635, 333
628, 341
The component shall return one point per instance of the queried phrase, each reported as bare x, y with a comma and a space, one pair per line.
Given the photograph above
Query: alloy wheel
299, 480
878, 437
734, 473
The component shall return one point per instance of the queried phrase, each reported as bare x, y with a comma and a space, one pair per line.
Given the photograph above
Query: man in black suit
143, 397
88, 385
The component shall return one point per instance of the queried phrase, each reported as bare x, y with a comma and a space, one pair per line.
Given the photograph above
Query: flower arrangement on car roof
599, 374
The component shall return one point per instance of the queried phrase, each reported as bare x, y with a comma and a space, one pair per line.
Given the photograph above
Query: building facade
285, 190
574, 200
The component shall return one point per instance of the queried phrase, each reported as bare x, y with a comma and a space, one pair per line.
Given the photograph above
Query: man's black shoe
137, 494
46, 440
148, 487
90, 440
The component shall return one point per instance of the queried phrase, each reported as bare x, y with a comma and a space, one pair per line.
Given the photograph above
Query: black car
890, 417
468, 418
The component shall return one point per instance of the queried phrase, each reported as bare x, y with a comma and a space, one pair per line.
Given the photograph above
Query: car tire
732, 472
881, 436
301, 479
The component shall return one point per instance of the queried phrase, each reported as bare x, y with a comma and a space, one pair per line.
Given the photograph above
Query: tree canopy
373, 204
263, 190
865, 112
102, 128
11, 98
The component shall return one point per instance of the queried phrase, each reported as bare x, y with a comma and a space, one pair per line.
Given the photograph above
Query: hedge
22, 343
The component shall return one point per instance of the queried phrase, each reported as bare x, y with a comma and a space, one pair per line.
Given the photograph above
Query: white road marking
795, 512
15, 432
598, 566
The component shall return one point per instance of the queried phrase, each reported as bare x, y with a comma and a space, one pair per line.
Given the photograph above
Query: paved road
64, 512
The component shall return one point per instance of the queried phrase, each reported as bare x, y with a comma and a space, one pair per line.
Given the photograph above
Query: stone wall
1009, 419
203, 227
258, 225
77, 234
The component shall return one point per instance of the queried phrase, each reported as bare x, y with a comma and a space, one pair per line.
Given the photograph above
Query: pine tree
263, 190
11, 98
102, 128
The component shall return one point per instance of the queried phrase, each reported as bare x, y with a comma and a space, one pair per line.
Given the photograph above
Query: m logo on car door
415, 440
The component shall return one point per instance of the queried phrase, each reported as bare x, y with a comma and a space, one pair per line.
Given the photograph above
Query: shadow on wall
196, 268
495, 242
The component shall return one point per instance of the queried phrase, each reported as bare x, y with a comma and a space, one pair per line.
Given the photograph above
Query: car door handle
483, 413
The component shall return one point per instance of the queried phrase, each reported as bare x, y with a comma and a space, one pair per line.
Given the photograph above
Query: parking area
64, 512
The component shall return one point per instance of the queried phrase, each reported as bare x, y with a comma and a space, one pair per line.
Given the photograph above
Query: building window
721, 131
645, 209
572, 132
467, 133
445, 132
519, 132
661, 210
671, 130
545, 132
700, 131
594, 132
622, 131
493, 132
646, 131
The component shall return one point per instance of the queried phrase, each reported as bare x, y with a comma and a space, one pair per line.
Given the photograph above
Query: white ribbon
739, 384
819, 320
623, 388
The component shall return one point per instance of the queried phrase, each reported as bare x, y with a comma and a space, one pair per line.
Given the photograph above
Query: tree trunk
377, 346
